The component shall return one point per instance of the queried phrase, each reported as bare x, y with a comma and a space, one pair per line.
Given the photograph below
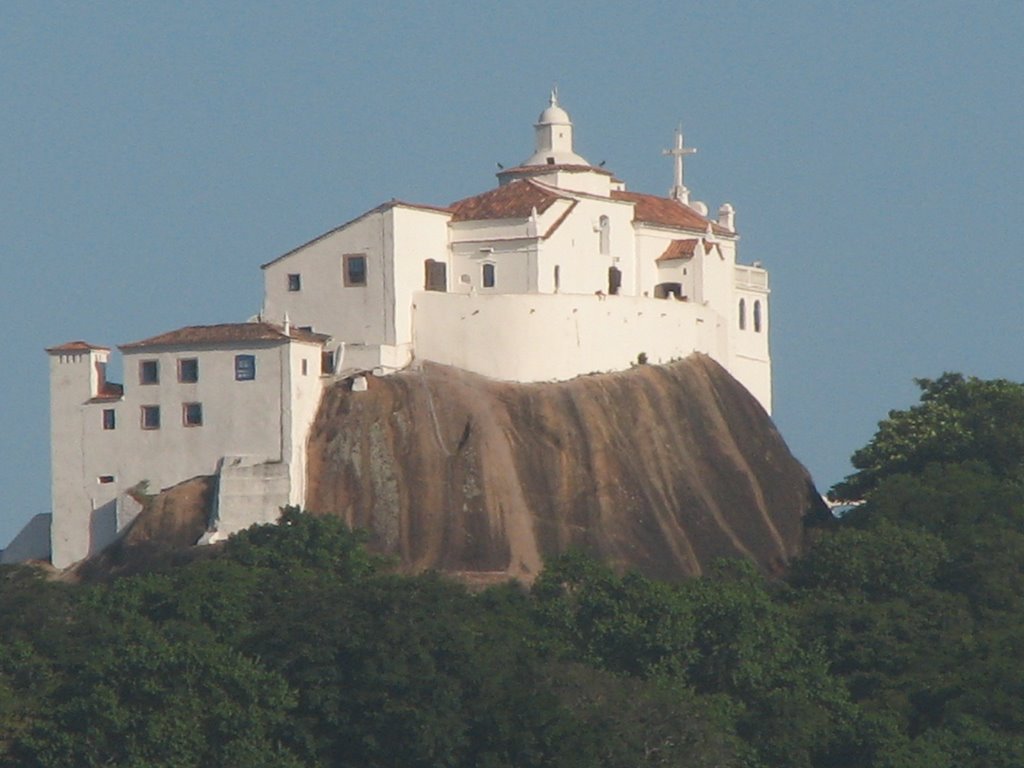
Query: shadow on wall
102, 526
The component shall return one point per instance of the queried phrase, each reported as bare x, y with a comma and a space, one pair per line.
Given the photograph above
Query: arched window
558, 278
488, 275
605, 229
757, 317
743, 314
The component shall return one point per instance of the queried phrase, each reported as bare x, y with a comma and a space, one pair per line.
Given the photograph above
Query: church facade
557, 272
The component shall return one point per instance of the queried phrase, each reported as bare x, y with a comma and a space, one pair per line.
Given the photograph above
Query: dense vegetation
896, 642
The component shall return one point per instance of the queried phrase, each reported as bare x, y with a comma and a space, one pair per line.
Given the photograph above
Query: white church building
557, 272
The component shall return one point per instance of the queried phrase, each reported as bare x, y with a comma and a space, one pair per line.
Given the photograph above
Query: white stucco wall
354, 313
304, 385
547, 337
249, 492
575, 246
75, 489
419, 234
557, 337
266, 418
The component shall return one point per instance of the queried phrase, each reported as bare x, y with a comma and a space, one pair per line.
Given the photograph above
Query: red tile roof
651, 209
75, 346
684, 249
515, 200
225, 333
109, 391
679, 249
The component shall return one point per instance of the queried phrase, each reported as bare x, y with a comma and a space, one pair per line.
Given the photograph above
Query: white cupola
554, 137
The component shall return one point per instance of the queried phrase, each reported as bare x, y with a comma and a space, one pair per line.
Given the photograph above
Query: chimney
727, 217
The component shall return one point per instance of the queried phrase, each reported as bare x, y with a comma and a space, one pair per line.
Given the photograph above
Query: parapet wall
556, 337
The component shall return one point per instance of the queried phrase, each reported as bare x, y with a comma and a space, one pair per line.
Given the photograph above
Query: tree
958, 419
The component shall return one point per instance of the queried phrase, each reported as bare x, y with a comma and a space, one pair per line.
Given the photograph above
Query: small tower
554, 137
77, 375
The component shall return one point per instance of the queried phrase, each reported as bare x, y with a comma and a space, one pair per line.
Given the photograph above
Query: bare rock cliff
661, 468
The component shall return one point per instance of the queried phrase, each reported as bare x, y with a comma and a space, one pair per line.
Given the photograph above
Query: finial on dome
553, 143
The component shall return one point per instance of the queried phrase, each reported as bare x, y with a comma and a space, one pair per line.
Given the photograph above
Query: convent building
557, 272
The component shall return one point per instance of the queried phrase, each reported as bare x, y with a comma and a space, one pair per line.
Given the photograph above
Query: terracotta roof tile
109, 391
76, 346
679, 249
664, 211
684, 249
515, 200
225, 333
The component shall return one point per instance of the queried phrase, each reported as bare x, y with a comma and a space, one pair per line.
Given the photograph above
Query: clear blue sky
153, 155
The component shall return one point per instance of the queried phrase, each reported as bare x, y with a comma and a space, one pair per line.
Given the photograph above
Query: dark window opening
668, 290
614, 280
151, 417
188, 370
743, 314
436, 276
192, 414
355, 269
551, 161
105, 479
245, 367
149, 372
558, 278
109, 418
488, 275
294, 283
327, 362
757, 317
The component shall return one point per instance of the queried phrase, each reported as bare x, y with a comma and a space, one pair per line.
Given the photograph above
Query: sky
153, 155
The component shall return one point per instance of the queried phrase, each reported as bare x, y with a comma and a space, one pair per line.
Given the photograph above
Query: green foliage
958, 419
304, 541
894, 643
626, 624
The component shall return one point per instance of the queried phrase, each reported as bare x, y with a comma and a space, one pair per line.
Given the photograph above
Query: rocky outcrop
162, 535
660, 468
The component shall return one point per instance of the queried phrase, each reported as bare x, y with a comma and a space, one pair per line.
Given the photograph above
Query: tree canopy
894, 642
958, 419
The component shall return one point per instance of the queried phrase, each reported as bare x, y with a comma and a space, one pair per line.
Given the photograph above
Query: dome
553, 115
554, 137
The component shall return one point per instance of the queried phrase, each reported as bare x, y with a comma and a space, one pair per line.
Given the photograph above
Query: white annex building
558, 271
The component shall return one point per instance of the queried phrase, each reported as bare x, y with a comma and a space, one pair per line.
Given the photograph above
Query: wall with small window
205, 404
332, 284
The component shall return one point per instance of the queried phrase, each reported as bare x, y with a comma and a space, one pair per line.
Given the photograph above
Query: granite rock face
660, 468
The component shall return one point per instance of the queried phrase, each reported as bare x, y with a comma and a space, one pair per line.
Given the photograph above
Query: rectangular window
149, 372
151, 417
355, 269
294, 283
188, 370
245, 367
192, 414
105, 479
305, 367
109, 418
488, 276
